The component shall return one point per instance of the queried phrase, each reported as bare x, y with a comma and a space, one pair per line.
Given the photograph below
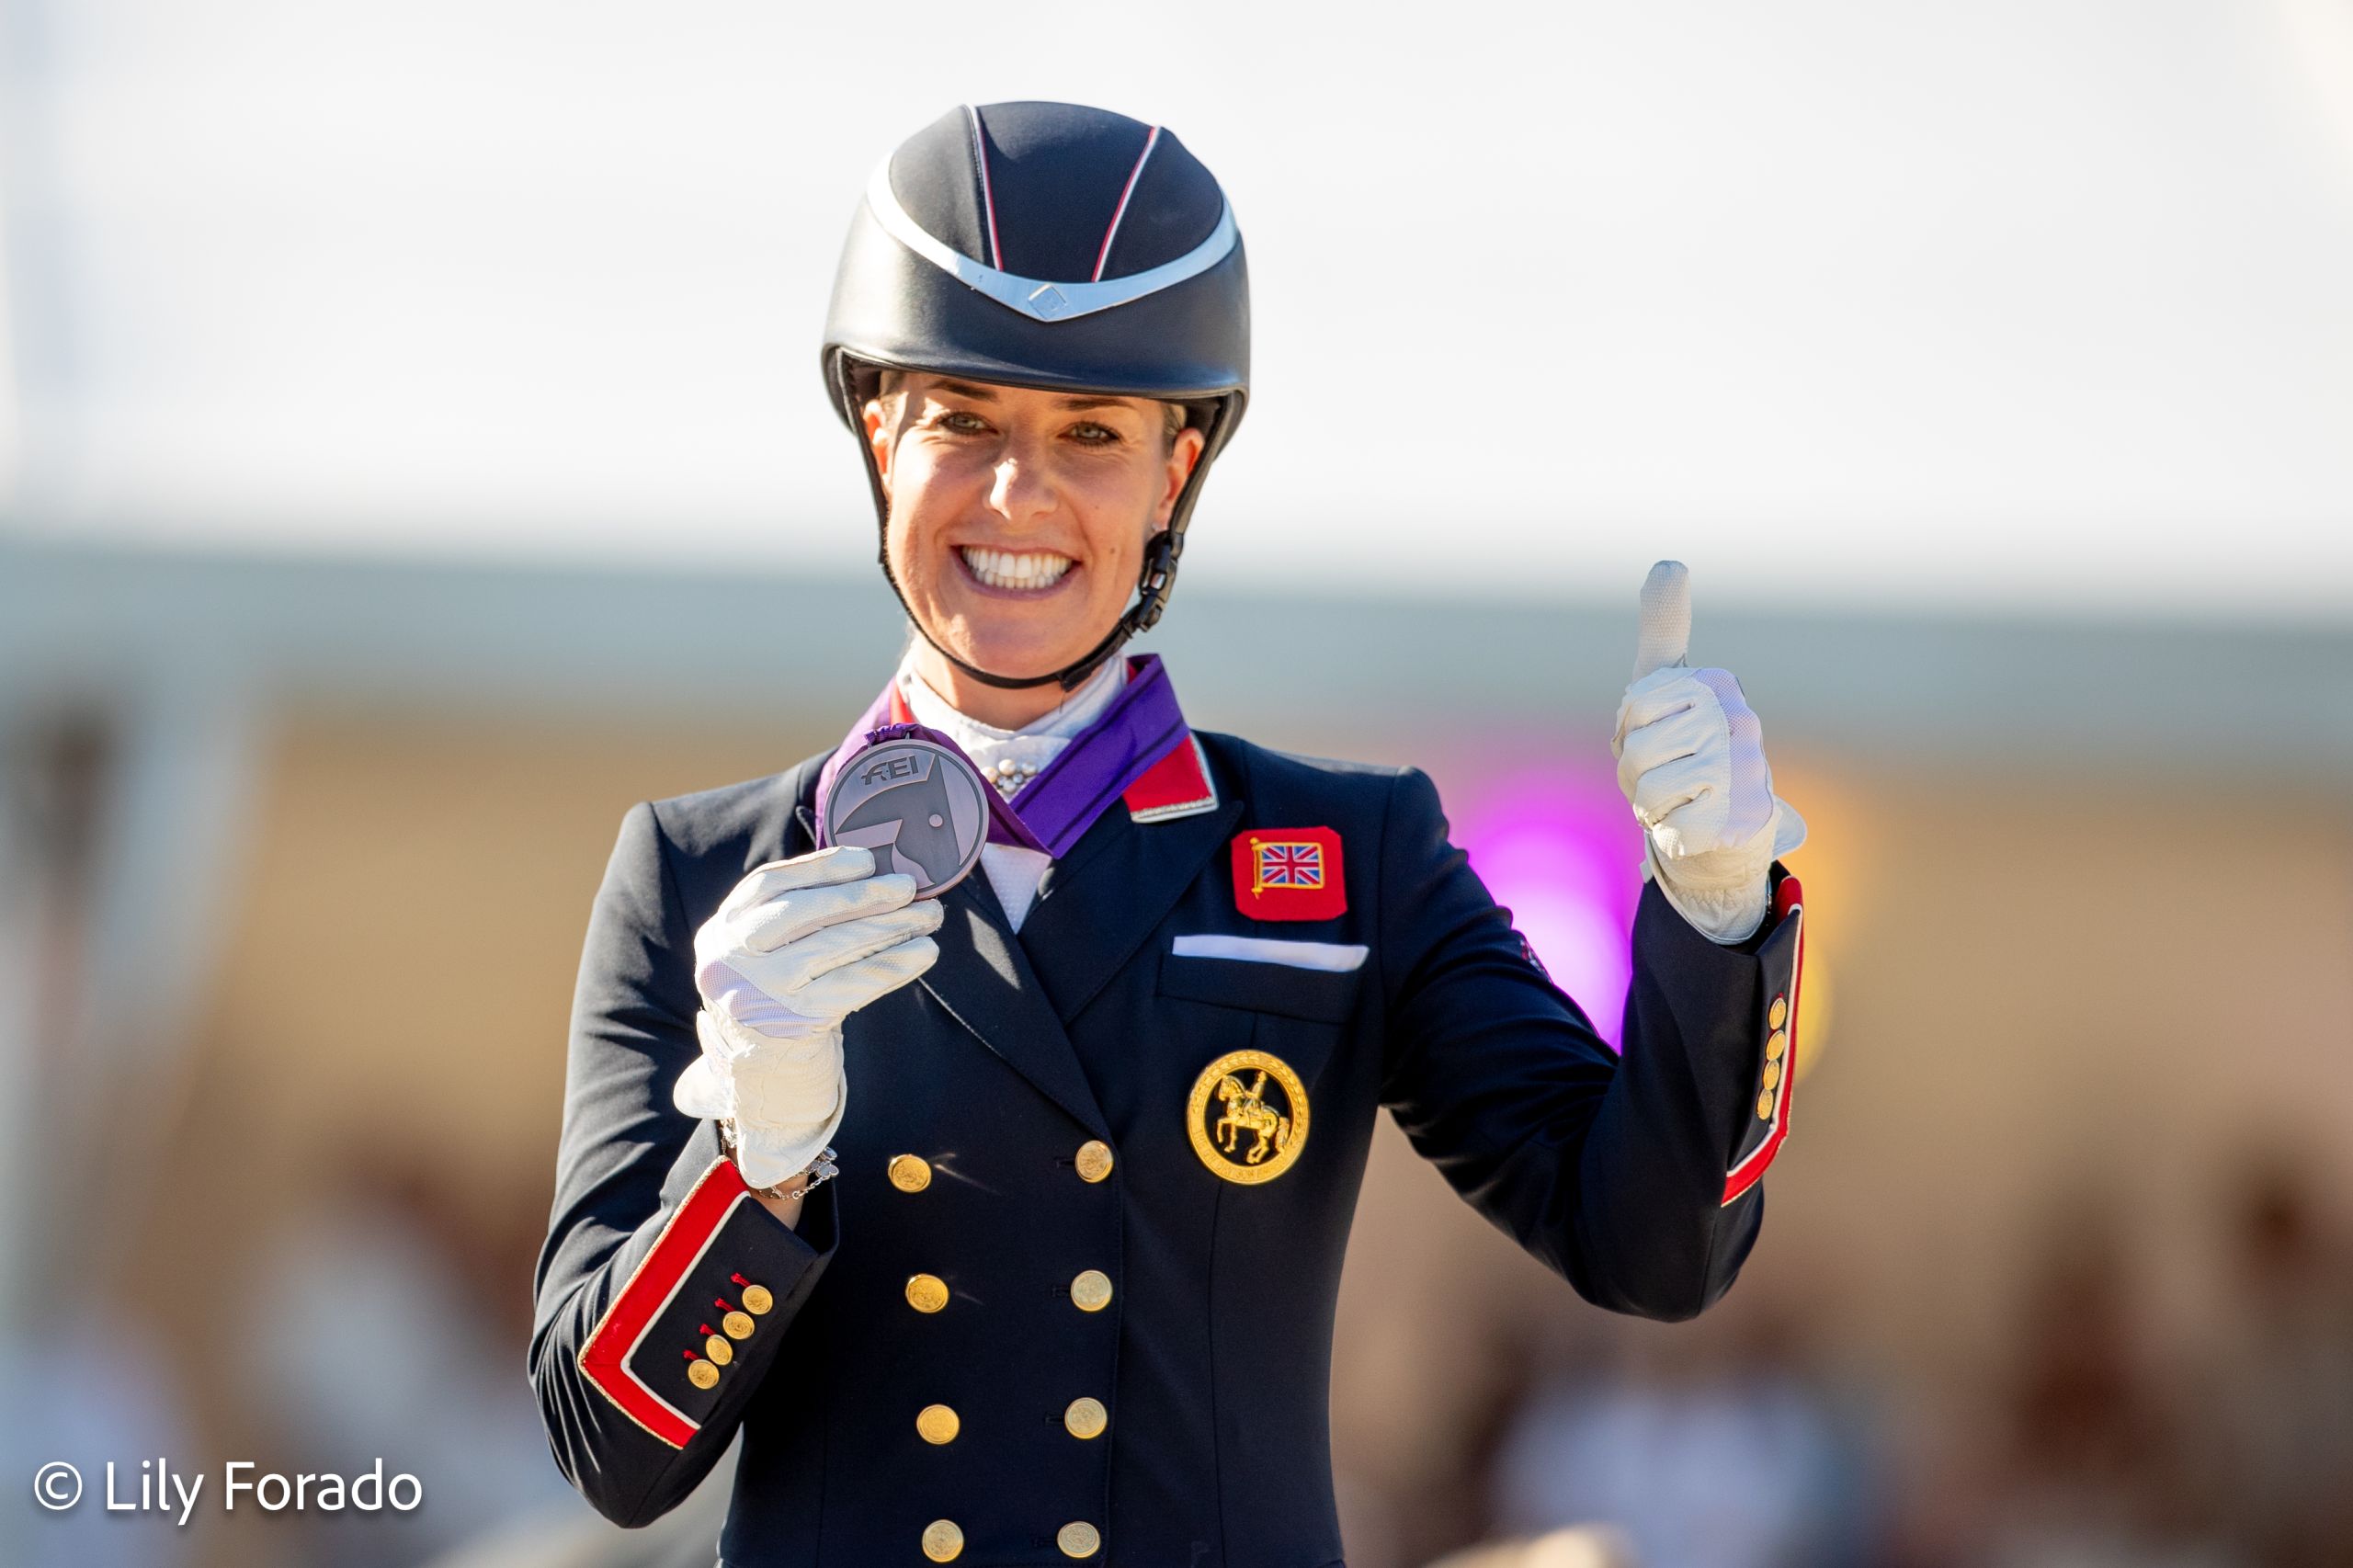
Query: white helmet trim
1037, 298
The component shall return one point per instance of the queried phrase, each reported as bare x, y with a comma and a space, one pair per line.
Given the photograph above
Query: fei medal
920, 806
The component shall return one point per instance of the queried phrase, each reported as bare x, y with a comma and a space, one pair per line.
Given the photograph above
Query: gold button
1091, 1291
757, 1300
926, 1292
938, 1424
909, 1172
737, 1324
719, 1350
1777, 1014
1765, 1106
1094, 1160
1087, 1418
702, 1374
942, 1542
1078, 1540
1772, 1074
1775, 1043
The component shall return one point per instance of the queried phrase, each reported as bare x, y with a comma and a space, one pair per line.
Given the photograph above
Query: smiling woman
1018, 521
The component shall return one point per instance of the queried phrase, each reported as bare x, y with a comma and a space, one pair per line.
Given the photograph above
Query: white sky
2025, 301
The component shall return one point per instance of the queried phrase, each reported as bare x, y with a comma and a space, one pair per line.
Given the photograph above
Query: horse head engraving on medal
918, 806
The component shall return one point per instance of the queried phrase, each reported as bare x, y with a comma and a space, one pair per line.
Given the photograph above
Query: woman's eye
1094, 435
964, 424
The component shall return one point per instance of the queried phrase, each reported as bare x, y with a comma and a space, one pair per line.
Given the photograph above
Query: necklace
1009, 776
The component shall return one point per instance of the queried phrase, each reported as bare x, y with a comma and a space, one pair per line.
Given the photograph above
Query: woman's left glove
1692, 761
796, 948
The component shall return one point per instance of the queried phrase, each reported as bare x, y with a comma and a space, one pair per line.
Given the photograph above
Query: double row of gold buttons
1085, 1418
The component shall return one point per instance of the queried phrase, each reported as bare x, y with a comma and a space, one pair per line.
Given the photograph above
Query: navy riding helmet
1049, 245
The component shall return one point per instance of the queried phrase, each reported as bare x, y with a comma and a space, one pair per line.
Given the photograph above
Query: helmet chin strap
1154, 582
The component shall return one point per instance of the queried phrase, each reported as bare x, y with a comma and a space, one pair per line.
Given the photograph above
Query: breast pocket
1259, 1033
1323, 994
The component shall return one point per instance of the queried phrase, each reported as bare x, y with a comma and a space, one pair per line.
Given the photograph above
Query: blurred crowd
1740, 1441
2100, 1446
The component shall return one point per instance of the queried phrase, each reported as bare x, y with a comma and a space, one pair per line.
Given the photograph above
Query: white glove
797, 946
1691, 762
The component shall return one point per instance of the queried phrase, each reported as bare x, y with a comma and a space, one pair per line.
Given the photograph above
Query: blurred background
412, 454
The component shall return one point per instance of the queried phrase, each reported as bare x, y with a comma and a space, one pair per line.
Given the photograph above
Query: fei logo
1289, 873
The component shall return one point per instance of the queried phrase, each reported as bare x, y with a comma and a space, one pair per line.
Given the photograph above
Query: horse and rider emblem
1248, 1116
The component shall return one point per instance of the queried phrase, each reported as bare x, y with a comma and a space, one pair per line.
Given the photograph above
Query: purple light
1558, 847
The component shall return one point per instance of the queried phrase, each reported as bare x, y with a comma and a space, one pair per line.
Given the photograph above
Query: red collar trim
1178, 785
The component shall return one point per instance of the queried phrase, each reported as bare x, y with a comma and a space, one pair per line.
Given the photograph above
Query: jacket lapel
1098, 905
985, 981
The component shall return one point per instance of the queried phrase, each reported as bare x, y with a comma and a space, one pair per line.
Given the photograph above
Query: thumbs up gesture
1691, 762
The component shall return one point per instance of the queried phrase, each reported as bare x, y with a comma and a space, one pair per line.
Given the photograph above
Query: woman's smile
1027, 575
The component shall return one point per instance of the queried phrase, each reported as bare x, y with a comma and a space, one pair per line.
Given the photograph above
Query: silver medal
920, 806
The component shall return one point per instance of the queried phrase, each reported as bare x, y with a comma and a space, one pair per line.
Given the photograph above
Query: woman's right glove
797, 946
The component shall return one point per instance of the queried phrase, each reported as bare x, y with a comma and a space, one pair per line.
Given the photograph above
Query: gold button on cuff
1085, 1418
757, 1300
942, 1542
737, 1324
719, 1350
1091, 1291
1775, 1044
1765, 1106
1777, 1014
702, 1374
1094, 1160
926, 1292
937, 1424
1772, 1074
910, 1173
1079, 1540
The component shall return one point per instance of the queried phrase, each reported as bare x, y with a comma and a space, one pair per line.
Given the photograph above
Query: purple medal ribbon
1142, 725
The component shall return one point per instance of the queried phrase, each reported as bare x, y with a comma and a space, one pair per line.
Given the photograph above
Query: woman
1006, 1225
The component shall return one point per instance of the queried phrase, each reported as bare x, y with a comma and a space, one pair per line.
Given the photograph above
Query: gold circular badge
719, 1350
1248, 1115
702, 1374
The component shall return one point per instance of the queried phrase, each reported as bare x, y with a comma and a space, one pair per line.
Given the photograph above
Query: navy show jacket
1133, 1363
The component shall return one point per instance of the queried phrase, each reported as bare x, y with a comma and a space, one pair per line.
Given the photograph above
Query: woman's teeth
1002, 569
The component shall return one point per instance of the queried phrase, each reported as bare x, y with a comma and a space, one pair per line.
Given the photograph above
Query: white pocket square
1337, 957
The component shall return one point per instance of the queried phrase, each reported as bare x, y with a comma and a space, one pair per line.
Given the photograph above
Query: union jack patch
1289, 873
1286, 864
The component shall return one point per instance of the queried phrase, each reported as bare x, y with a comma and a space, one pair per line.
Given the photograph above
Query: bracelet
819, 1171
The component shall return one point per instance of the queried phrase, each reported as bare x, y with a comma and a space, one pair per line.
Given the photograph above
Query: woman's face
1019, 516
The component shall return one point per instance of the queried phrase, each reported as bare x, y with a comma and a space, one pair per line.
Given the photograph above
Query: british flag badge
1289, 873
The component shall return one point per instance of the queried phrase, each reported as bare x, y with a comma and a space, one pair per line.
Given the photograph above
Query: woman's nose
1023, 490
